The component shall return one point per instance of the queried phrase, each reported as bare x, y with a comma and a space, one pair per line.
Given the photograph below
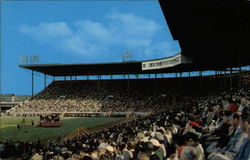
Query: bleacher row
139, 95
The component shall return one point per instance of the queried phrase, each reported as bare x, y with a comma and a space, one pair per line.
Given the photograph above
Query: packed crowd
214, 127
104, 95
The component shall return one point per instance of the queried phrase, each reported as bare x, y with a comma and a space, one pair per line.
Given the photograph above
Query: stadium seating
141, 95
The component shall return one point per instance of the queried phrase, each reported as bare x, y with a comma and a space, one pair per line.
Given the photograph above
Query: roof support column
98, 85
137, 76
180, 85
225, 80
45, 81
217, 78
240, 77
32, 83
155, 86
220, 75
231, 78
200, 79
128, 85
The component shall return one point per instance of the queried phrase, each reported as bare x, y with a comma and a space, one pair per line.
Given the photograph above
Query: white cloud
132, 25
90, 38
46, 31
162, 49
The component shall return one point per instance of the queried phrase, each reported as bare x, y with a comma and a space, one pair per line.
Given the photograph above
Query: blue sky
78, 32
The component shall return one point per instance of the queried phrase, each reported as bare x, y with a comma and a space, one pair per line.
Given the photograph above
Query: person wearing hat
162, 148
156, 153
94, 156
128, 152
37, 156
110, 152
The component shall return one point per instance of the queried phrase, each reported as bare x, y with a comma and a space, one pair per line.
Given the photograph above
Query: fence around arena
80, 114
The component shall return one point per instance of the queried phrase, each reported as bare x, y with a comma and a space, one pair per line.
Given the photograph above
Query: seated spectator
243, 152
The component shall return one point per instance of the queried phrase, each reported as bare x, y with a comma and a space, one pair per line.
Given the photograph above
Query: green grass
8, 127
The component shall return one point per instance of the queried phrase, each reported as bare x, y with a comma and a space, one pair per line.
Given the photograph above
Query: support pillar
128, 85
180, 85
32, 82
155, 85
225, 80
200, 79
45, 81
98, 85
220, 75
231, 78
137, 76
240, 77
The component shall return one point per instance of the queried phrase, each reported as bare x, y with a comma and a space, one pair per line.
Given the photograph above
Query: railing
80, 114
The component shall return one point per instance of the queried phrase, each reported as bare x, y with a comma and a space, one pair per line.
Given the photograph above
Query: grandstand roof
210, 31
213, 33
134, 67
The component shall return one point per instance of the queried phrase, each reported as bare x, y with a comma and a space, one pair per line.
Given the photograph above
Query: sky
84, 31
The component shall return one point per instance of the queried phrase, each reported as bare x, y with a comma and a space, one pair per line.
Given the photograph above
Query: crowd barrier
79, 114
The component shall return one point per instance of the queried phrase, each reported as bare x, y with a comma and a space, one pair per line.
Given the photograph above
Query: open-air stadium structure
160, 114
213, 36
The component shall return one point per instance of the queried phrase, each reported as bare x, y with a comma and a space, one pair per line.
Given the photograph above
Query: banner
165, 62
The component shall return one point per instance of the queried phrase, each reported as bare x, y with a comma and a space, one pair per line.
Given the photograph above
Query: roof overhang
210, 31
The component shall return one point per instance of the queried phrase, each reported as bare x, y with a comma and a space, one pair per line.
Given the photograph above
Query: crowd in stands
190, 127
106, 95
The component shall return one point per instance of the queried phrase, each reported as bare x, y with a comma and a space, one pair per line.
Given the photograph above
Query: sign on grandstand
165, 62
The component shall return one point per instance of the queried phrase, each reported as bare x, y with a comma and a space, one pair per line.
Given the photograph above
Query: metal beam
231, 78
45, 81
180, 82
32, 83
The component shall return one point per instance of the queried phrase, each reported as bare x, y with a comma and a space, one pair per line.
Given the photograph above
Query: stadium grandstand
7, 101
186, 117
